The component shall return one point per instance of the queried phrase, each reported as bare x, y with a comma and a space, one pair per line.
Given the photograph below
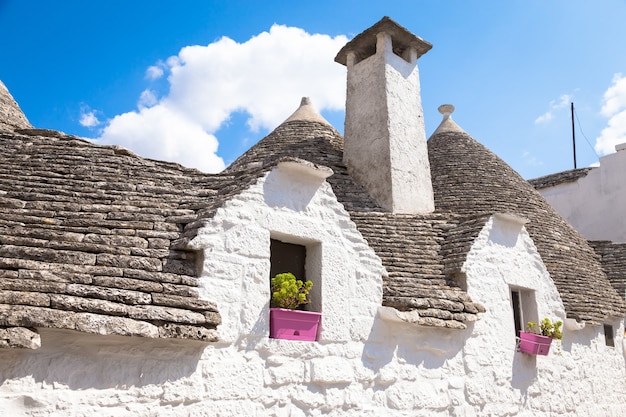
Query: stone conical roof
408, 245
468, 179
307, 135
11, 116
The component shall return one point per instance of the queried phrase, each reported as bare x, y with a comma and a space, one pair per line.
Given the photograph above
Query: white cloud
161, 133
546, 117
615, 97
531, 159
89, 119
563, 101
614, 108
147, 99
155, 71
265, 77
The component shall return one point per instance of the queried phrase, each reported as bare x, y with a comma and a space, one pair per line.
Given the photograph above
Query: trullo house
133, 287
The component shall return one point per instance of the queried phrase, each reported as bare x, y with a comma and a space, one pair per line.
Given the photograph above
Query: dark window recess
287, 257
608, 335
517, 311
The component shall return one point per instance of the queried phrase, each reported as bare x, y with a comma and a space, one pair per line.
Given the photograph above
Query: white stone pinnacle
446, 109
306, 112
447, 124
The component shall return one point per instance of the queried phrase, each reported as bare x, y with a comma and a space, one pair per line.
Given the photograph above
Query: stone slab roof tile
92, 232
11, 116
410, 247
458, 242
87, 232
470, 180
559, 178
613, 260
311, 141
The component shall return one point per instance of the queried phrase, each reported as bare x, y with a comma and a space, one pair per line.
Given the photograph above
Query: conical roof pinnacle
447, 124
306, 112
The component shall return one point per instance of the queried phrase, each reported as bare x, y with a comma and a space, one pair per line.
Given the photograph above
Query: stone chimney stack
385, 138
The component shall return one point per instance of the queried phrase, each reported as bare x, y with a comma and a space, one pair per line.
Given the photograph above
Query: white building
593, 200
136, 287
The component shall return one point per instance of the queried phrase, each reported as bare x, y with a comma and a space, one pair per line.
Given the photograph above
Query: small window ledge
393, 315
306, 168
573, 325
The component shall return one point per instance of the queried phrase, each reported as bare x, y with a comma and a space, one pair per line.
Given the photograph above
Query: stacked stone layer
89, 239
11, 116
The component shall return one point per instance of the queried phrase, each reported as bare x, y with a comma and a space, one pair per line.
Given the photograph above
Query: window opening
609, 338
524, 308
299, 260
517, 311
287, 257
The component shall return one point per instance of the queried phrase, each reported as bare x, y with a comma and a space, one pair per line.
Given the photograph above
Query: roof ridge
11, 115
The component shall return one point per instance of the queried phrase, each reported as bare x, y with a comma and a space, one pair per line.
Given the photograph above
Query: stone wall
361, 366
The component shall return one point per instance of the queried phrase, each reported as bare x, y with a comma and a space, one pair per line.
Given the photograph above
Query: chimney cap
363, 42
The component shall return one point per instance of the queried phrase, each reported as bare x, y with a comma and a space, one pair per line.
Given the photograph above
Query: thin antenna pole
573, 136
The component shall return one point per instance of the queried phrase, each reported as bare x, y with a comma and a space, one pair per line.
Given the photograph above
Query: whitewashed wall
595, 204
580, 377
363, 366
296, 205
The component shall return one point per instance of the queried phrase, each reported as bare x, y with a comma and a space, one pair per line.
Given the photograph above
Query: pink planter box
534, 344
293, 324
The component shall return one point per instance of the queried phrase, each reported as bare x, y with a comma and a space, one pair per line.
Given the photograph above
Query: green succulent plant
289, 292
546, 328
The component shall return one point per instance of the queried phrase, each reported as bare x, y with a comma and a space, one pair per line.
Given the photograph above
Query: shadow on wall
262, 325
83, 361
524, 372
412, 344
426, 347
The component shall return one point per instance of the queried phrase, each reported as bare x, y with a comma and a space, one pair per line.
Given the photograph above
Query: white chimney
385, 139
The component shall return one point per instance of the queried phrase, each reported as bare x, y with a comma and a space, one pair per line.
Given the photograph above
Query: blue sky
199, 82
